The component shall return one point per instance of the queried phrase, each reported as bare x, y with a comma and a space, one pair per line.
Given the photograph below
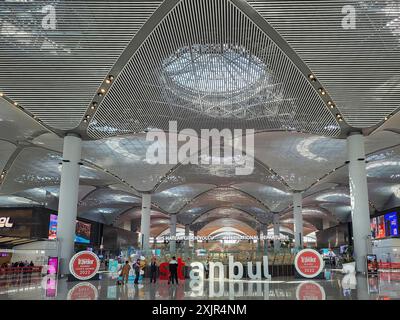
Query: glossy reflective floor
335, 286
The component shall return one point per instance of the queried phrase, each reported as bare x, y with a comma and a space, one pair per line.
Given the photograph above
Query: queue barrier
19, 270
389, 265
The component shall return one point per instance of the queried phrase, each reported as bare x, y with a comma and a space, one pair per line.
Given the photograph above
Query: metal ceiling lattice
54, 73
194, 43
359, 67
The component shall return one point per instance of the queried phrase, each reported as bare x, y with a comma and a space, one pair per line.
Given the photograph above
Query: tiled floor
334, 287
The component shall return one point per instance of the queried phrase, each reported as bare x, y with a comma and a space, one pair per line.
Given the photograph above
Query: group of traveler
137, 267
18, 264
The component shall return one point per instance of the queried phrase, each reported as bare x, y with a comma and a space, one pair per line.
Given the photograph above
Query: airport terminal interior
235, 140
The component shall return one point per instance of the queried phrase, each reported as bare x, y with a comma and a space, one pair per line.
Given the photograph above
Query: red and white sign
310, 290
308, 263
84, 265
83, 291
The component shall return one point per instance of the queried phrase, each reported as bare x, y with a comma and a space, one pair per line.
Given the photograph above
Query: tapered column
359, 199
187, 233
277, 241
145, 222
195, 239
258, 239
68, 201
265, 240
298, 220
172, 241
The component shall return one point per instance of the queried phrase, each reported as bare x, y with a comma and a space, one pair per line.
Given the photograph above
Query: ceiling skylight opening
223, 81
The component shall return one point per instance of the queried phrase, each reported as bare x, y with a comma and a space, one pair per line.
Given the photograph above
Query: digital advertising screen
53, 227
82, 230
391, 224
380, 227
372, 263
52, 265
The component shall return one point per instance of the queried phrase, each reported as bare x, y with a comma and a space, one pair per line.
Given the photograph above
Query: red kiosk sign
308, 263
84, 265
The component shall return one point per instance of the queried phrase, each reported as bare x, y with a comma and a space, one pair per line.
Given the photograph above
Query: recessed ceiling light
15, 103
321, 91
102, 90
1, 94
311, 77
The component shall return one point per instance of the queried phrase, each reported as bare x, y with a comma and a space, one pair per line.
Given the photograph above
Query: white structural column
172, 228
359, 199
68, 201
277, 232
195, 239
145, 222
187, 233
298, 220
265, 235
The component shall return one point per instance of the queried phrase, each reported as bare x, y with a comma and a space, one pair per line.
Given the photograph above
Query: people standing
153, 270
125, 272
173, 271
331, 256
137, 271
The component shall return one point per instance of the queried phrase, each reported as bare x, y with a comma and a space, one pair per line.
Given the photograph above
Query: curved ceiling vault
210, 64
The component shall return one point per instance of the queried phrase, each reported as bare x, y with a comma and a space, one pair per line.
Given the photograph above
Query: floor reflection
335, 286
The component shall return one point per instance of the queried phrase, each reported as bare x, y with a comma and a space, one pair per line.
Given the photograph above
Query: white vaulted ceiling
205, 64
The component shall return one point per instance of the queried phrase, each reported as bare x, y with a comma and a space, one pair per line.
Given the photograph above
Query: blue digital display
391, 224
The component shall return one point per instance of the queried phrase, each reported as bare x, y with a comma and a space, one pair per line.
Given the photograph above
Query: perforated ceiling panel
36, 167
359, 66
299, 159
207, 64
6, 150
227, 213
127, 157
220, 175
107, 197
173, 199
54, 73
275, 199
15, 125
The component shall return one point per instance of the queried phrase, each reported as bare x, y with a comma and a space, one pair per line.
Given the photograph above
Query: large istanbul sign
84, 265
308, 263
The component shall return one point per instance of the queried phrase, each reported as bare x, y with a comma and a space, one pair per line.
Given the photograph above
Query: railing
19, 270
389, 265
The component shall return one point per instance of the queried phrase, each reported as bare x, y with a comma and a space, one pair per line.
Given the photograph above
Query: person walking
125, 272
153, 270
173, 271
